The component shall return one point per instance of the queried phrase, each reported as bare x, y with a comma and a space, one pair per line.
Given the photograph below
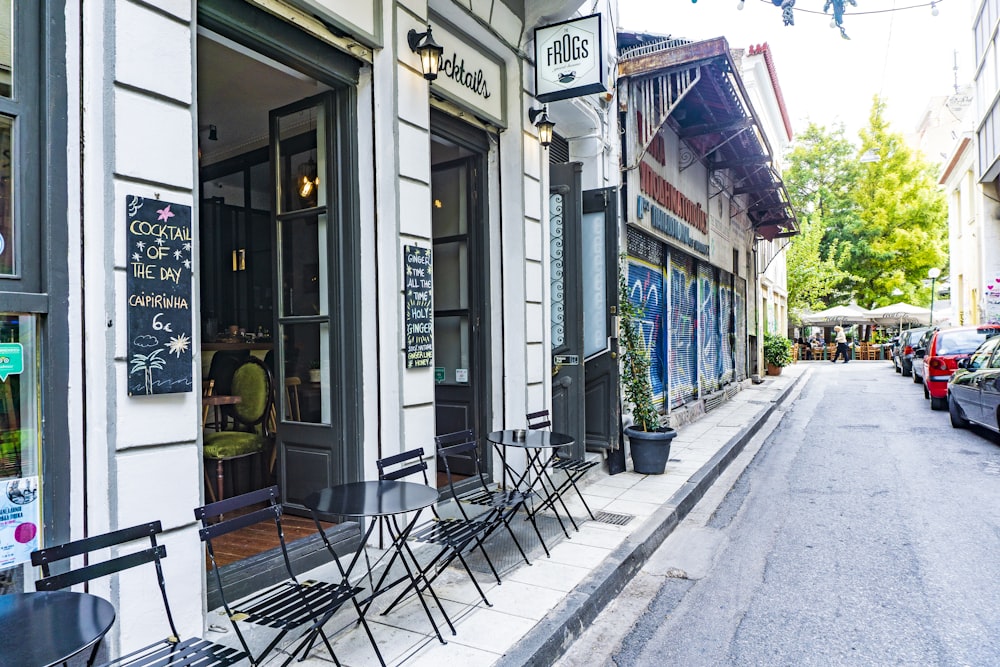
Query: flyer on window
19, 520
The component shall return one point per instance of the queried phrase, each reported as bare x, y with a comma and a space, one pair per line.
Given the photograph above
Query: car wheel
905, 369
897, 368
927, 394
938, 403
916, 379
958, 420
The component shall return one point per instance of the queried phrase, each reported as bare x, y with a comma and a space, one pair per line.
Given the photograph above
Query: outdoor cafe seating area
413, 536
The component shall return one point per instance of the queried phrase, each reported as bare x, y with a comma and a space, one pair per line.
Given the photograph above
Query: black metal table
535, 479
384, 501
47, 628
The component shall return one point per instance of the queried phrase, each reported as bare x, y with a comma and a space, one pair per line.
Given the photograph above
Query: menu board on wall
160, 255
417, 291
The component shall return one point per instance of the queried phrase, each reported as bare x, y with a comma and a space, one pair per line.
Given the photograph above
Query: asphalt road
864, 531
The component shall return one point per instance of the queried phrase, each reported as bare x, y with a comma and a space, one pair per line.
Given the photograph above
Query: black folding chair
463, 448
454, 535
574, 469
169, 651
286, 606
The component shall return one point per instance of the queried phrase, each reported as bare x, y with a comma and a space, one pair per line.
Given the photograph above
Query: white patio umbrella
838, 315
903, 313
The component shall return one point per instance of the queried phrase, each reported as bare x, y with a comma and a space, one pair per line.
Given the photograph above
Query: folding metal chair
286, 606
169, 651
574, 469
454, 535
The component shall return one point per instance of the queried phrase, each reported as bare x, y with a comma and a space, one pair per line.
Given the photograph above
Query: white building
236, 178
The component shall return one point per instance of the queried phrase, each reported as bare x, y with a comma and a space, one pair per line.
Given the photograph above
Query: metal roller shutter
682, 329
708, 318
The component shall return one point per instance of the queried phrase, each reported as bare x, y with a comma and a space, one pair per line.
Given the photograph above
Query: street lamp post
933, 274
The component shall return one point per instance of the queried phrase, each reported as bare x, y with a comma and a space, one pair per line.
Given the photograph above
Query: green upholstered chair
250, 435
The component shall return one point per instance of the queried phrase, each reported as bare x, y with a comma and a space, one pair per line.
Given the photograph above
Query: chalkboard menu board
419, 317
160, 256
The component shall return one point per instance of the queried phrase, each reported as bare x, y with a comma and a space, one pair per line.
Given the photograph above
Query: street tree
877, 212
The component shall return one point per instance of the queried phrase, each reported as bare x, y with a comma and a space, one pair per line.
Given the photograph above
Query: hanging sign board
19, 520
158, 241
417, 291
568, 59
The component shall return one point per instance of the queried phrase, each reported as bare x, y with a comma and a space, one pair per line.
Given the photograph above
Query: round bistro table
49, 627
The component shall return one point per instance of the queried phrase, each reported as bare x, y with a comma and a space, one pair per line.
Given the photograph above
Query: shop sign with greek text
160, 262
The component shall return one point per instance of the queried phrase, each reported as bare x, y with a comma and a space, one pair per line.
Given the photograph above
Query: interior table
49, 627
384, 501
535, 479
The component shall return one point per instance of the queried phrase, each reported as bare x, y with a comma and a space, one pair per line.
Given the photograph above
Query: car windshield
962, 342
982, 355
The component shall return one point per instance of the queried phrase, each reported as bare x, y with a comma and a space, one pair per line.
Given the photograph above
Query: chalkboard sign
419, 318
160, 260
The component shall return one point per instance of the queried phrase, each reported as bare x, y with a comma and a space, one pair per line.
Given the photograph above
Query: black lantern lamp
544, 124
423, 44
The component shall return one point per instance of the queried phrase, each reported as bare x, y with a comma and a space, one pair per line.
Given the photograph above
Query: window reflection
6, 48
6, 198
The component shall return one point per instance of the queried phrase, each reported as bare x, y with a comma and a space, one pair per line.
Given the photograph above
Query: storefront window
20, 514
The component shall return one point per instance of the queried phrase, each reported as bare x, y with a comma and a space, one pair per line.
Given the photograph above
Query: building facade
277, 179
705, 210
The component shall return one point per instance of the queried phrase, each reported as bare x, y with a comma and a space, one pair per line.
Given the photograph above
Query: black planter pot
650, 449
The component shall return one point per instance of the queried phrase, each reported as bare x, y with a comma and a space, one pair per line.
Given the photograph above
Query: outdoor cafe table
382, 499
535, 479
49, 627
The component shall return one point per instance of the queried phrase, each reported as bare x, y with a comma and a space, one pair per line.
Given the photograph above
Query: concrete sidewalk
540, 609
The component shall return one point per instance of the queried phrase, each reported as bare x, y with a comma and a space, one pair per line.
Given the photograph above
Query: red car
944, 350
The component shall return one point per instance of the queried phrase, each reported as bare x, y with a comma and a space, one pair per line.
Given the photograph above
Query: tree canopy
872, 218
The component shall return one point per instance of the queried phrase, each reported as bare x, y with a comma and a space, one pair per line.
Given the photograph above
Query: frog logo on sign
11, 360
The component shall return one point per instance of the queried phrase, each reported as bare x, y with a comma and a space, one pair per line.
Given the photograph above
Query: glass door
308, 369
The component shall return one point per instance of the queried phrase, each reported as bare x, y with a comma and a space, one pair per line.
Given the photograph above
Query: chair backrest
44, 558
253, 384
263, 505
462, 448
224, 364
538, 420
207, 387
404, 464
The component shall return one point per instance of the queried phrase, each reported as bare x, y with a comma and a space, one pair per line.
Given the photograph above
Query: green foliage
777, 350
636, 384
869, 229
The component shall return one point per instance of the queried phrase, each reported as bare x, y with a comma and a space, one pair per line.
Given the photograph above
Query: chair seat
573, 465
232, 444
185, 652
289, 605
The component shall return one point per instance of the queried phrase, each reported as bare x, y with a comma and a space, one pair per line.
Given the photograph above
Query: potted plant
314, 372
777, 353
649, 443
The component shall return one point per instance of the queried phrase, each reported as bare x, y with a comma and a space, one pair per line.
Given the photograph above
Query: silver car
907, 341
973, 392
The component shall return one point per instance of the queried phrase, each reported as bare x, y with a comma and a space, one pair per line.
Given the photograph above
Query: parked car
941, 357
907, 340
973, 392
892, 349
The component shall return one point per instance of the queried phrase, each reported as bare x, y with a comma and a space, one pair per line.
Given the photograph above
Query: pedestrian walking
841, 339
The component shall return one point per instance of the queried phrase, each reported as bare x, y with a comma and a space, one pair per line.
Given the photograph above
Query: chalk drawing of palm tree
147, 363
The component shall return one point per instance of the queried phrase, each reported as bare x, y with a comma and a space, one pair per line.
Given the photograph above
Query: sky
905, 56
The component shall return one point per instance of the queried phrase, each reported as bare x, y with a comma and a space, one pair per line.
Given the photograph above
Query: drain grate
614, 518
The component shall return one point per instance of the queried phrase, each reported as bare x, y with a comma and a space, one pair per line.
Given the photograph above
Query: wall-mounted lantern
423, 44
544, 124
